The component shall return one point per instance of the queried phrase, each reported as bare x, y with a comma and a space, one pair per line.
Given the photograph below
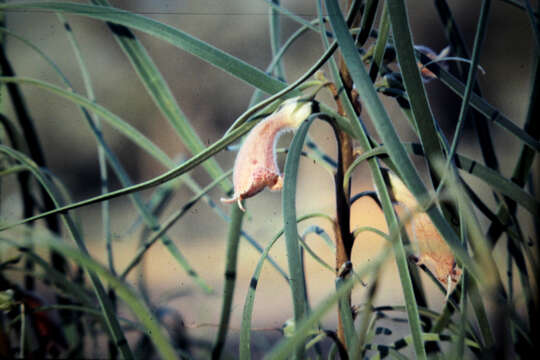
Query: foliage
485, 312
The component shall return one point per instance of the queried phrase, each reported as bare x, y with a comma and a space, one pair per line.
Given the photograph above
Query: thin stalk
168, 175
105, 213
471, 78
460, 346
368, 17
116, 164
482, 126
275, 39
422, 115
22, 341
344, 237
245, 332
377, 113
166, 225
230, 280
112, 322
380, 44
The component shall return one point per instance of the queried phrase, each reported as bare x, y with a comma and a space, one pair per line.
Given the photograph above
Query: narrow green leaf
380, 44
275, 39
296, 271
178, 38
412, 80
161, 94
287, 345
471, 76
154, 330
108, 311
364, 156
486, 109
122, 126
245, 331
102, 160
230, 280
345, 314
490, 177
368, 17
171, 174
395, 148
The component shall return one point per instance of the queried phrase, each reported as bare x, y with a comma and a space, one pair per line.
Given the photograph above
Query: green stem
230, 280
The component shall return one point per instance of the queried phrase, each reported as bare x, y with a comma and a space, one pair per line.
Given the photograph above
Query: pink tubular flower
433, 251
255, 166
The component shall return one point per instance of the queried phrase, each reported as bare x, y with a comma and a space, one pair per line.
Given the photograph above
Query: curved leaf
178, 38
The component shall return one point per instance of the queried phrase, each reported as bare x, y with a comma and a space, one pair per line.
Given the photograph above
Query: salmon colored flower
256, 166
433, 251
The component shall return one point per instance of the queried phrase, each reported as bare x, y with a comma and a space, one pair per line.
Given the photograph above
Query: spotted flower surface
256, 165
433, 251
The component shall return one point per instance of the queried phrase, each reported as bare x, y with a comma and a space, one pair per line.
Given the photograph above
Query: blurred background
212, 100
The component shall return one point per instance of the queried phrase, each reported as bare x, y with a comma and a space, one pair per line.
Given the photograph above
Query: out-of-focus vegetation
132, 112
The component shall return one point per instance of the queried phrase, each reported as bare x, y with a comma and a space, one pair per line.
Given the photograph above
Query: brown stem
344, 238
342, 231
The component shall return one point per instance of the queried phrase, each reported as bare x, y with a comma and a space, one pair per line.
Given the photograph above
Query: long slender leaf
456, 42
171, 174
144, 315
480, 104
245, 331
296, 271
102, 161
413, 82
490, 177
345, 314
108, 312
396, 149
378, 115
287, 346
471, 76
161, 94
178, 38
123, 176
122, 126
230, 280
380, 44
275, 39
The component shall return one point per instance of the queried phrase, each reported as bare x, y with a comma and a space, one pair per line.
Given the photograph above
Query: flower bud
433, 251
